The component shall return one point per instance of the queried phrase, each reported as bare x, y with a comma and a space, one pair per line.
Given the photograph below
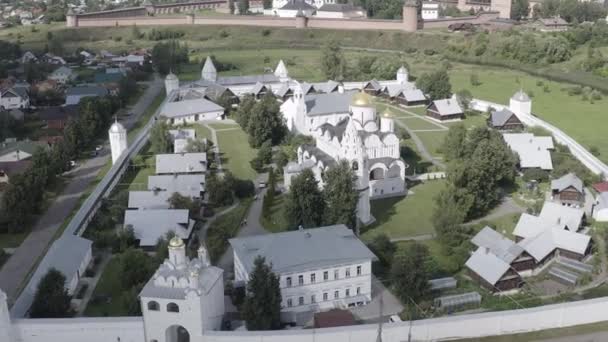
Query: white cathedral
346, 126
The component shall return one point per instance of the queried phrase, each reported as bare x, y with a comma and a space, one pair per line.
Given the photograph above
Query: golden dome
176, 242
361, 99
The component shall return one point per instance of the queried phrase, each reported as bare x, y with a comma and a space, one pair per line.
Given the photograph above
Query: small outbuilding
568, 190
505, 120
445, 109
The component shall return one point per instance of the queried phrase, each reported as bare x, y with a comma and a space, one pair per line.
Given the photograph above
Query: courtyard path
20, 265
507, 206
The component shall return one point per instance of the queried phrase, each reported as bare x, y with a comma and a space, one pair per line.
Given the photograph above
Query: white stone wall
123, 329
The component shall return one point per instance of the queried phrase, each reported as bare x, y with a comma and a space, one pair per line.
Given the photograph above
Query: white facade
520, 104
62, 75
118, 140
430, 11
11, 99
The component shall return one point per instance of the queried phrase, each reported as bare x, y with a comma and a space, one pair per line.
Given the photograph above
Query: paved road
253, 227
16, 269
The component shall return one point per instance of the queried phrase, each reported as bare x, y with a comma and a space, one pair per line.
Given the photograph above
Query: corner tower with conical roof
520, 104
209, 73
118, 140
281, 72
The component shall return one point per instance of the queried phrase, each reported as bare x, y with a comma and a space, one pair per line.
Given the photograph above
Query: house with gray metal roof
73, 95
191, 111
181, 163
152, 224
568, 190
445, 109
192, 185
70, 255
534, 152
505, 119
497, 260
149, 199
318, 268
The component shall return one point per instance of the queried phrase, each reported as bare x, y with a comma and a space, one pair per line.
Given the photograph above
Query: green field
108, 285
405, 216
432, 141
236, 153
420, 124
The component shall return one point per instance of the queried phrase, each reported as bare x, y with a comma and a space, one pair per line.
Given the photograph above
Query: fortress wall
130, 329
355, 24
480, 18
130, 21
251, 21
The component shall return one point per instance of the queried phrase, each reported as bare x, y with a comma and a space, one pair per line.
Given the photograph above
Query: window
358, 290
153, 306
347, 272
172, 307
325, 276
336, 294
288, 281
289, 303
324, 295
313, 299
300, 280
347, 293
336, 274
301, 301
313, 277
358, 270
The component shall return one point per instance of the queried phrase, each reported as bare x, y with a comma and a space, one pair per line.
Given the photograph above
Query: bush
266, 32
430, 52
243, 188
540, 83
82, 291
410, 50
535, 174
577, 90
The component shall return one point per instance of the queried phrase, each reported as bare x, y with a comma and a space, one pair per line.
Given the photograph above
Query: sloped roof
189, 107
181, 163
322, 104
414, 95
185, 185
533, 151
543, 244
504, 248
281, 69
59, 112
500, 117
447, 107
86, 90
487, 265
298, 5
208, 67
248, 79
559, 214
339, 8
601, 187
149, 199
566, 181
303, 249
152, 224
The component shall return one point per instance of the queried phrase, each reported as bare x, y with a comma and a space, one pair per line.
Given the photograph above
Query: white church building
346, 126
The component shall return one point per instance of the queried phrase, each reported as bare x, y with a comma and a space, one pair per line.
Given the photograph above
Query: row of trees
167, 56
480, 163
308, 206
573, 11
24, 196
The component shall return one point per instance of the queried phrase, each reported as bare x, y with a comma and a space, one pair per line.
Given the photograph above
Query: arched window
355, 165
153, 306
172, 307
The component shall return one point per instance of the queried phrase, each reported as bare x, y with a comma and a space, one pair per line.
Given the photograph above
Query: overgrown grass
226, 227
276, 222
109, 286
236, 152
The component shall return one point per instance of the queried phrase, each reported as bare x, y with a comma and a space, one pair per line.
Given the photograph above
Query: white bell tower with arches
118, 140
184, 298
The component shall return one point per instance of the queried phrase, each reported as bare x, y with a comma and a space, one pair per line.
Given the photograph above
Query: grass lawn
201, 131
504, 224
108, 285
419, 124
276, 222
236, 153
545, 334
138, 179
432, 141
223, 125
405, 216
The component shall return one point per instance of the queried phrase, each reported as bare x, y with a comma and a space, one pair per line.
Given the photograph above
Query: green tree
265, 152
436, 84
453, 146
262, 307
383, 248
160, 139
51, 299
333, 64
196, 146
266, 122
177, 201
520, 9
410, 273
135, 268
244, 111
340, 195
304, 205
218, 189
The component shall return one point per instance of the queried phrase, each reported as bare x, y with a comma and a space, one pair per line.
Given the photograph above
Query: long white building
319, 269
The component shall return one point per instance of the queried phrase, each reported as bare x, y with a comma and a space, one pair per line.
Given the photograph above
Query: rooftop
566, 181
181, 163
185, 185
303, 249
447, 107
534, 152
152, 224
178, 109
149, 199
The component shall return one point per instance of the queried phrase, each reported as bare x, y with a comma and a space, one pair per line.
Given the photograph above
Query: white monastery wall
130, 329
